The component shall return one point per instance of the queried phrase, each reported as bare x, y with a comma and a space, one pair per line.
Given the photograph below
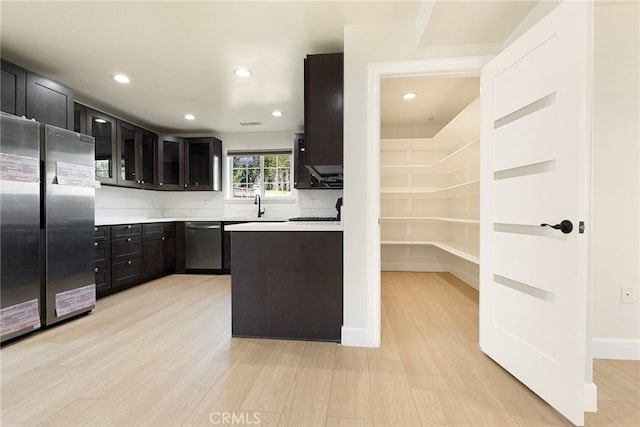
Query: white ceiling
437, 102
180, 56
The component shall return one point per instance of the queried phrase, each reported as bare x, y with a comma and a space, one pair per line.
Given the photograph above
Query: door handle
565, 226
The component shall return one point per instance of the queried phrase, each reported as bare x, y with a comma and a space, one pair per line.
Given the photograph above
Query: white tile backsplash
117, 202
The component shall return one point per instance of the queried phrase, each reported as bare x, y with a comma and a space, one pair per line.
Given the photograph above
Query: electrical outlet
626, 294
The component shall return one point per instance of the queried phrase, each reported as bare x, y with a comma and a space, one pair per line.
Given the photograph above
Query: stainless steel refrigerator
19, 226
62, 207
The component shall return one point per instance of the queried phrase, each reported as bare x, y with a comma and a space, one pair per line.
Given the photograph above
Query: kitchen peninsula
286, 280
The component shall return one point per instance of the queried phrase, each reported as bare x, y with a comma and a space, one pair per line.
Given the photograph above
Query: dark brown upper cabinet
170, 163
323, 108
13, 86
103, 128
136, 156
203, 164
302, 179
49, 102
27, 94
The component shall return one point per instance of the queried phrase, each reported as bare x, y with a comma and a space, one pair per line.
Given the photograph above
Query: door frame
436, 67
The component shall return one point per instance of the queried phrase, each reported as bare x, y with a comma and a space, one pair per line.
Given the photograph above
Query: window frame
261, 167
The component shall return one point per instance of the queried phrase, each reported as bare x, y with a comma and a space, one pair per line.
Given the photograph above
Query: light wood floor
161, 354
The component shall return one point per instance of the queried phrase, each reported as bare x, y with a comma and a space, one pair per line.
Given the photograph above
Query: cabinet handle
141, 182
95, 269
162, 238
185, 186
95, 244
129, 262
129, 239
161, 184
95, 228
128, 226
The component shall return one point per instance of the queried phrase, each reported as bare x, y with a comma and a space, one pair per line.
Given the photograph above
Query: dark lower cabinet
103, 259
126, 255
287, 285
130, 254
126, 273
158, 249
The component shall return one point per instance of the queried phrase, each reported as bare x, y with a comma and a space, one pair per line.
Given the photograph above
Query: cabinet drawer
103, 276
159, 231
126, 230
127, 272
102, 232
103, 251
127, 248
151, 229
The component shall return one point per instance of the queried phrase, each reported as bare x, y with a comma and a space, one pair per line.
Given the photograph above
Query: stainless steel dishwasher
203, 245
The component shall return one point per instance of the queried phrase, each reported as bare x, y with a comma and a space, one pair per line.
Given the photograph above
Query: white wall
132, 204
616, 180
365, 44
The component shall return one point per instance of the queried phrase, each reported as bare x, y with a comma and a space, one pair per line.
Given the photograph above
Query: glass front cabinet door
170, 163
137, 151
103, 128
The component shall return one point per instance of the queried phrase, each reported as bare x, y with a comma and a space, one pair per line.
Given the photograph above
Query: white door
535, 154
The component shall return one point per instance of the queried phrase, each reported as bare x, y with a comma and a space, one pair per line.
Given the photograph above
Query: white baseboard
355, 337
469, 279
405, 266
614, 348
590, 397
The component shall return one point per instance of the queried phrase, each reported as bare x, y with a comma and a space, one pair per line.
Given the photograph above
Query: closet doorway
429, 175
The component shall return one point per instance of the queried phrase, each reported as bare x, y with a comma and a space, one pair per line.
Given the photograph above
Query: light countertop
118, 221
287, 226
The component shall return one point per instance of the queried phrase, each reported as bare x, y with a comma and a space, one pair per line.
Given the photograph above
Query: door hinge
581, 227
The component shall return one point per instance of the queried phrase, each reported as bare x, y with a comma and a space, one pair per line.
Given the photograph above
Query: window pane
246, 161
272, 180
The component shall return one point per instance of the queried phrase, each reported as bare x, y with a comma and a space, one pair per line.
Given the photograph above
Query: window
267, 174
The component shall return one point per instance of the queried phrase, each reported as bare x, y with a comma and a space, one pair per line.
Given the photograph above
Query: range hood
328, 175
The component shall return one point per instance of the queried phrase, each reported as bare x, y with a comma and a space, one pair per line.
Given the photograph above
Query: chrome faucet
257, 202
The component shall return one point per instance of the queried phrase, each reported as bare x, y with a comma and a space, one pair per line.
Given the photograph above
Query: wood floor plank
271, 388
439, 408
137, 401
176, 405
308, 400
350, 386
348, 422
78, 412
230, 390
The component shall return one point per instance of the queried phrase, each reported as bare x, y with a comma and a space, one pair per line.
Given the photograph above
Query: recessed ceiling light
242, 72
121, 78
189, 117
277, 113
101, 121
409, 95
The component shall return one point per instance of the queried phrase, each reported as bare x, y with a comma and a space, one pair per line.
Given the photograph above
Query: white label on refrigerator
19, 168
20, 316
76, 175
75, 299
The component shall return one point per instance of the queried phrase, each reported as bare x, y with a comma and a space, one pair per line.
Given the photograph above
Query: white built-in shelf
463, 189
465, 156
428, 219
464, 252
